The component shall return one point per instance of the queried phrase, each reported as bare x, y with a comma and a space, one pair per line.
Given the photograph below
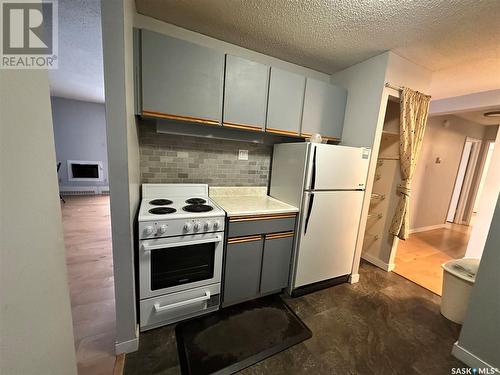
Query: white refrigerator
327, 183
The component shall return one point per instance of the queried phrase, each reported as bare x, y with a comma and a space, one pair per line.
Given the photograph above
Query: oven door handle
159, 308
147, 247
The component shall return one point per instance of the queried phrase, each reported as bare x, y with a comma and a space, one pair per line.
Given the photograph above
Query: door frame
466, 183
485, 161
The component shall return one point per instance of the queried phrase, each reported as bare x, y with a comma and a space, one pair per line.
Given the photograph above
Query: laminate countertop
247, 201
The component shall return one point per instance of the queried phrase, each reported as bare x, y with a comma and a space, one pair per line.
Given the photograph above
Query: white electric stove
181, 238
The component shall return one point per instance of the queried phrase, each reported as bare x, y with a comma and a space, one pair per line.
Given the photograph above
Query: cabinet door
324, 108
245, 93
180, 80
276, 262
242, 269
286, 100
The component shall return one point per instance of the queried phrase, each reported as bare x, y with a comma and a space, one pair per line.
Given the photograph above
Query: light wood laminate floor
420, 257
87, 236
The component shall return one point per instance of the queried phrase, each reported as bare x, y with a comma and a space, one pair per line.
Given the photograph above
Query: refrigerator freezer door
334, 167
327, 238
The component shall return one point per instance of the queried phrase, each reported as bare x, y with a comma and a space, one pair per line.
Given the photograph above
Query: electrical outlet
243, 155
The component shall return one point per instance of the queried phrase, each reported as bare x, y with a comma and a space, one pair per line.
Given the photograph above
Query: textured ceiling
80, 66
478, 117
329, 35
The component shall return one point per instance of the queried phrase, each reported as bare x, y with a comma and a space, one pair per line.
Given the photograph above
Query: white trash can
459, 276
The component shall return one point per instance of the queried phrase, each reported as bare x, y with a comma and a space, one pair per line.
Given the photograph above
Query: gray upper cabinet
324, 108
180, 80
286, 99
245, 93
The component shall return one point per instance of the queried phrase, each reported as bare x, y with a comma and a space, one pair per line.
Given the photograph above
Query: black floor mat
238, 336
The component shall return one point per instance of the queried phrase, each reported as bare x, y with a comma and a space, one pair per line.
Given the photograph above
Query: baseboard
128, 346
83, 190
471, 360
354, 278
425, 229
377, 262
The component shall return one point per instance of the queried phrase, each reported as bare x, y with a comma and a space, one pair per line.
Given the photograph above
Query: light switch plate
243, 155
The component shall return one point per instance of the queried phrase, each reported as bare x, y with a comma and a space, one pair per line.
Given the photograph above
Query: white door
333, 167
329, 227
459, 182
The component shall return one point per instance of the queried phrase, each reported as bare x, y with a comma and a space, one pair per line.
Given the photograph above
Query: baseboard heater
84, 190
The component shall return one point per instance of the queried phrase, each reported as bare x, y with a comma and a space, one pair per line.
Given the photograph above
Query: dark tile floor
384, 324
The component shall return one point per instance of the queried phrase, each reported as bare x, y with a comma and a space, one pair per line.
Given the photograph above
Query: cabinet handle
243, 239
159, 308
180, 118
313, 173
274, 236
242, 126
309, 209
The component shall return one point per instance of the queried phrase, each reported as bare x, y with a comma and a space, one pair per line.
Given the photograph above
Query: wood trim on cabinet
235, 219
283, 132
331, 138
244, 239
274, 236
180, 118
308, 135
242, 126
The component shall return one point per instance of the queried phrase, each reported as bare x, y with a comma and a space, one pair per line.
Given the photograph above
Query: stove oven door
169, 265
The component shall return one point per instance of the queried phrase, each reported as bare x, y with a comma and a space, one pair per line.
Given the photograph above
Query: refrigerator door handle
309, 209
313, 172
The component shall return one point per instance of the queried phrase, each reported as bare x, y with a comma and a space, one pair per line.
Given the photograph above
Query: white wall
433, 183
363, 122
36, 335
479, 341
123, 163
465, 103
366, 106
80, 134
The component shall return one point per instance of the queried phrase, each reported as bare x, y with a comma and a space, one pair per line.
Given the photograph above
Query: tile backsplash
171, 158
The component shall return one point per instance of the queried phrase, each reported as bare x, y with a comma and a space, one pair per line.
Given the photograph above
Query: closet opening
448, 189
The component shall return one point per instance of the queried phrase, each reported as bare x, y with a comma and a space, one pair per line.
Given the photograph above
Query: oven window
182, 265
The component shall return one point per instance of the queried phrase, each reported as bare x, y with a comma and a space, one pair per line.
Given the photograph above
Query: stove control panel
180, 227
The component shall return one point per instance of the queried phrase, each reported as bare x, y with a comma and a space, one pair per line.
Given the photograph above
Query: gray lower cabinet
245, 93
276, 262
285, 103
242, 269
324, 108
180, 80
257, 257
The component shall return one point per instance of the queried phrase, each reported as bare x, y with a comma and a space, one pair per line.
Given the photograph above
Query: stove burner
197, 208
162, 210
196, 201
160, 202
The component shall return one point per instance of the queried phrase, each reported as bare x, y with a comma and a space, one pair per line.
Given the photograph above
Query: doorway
80, 137
490, 146
463, 182
454, 160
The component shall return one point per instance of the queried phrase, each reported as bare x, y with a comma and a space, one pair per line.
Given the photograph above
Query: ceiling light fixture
492, 114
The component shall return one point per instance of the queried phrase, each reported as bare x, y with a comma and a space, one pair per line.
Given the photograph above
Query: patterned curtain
414, 108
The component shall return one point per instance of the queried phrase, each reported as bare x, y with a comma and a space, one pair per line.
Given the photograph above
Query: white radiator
84, 190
